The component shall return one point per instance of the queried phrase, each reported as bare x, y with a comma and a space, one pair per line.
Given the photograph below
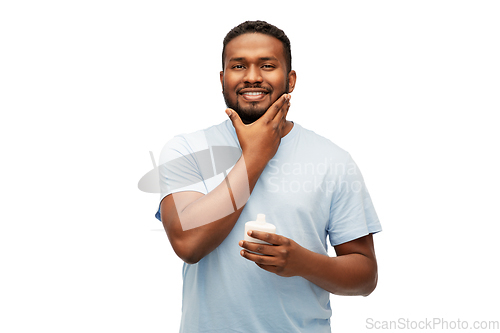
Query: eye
238, 67
268, 66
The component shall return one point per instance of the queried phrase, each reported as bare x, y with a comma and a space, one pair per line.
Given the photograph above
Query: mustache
254, 86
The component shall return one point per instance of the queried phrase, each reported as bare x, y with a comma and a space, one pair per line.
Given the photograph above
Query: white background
88, 88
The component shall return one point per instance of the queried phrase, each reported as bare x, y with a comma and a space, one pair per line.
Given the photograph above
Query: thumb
235, 118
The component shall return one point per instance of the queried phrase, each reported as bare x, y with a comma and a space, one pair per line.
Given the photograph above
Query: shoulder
319, 143
188, 143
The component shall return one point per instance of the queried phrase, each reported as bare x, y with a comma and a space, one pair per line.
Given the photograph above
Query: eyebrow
261, 58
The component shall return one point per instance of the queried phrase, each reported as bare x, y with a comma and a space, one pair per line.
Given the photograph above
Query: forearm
207, 221
350, 274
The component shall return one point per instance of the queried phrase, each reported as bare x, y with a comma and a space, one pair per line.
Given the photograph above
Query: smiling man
257, 61
308, 187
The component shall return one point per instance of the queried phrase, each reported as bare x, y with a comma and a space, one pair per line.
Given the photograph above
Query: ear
222, 79
292, 78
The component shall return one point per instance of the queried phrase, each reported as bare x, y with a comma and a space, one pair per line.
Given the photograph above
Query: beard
253, 112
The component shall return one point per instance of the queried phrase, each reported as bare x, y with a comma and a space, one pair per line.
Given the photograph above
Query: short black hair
263, 28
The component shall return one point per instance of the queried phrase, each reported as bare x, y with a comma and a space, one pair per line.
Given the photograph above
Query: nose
252, 75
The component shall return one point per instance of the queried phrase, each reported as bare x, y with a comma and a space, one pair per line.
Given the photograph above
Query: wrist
254, 165
311, 261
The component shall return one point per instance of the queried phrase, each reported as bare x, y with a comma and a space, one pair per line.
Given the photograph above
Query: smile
253, 93
253, 96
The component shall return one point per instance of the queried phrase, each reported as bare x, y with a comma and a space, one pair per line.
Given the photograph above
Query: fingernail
241, 243
249, 233
228, 112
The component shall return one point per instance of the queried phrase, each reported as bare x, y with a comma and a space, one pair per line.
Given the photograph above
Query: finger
256, 247
280, 118
284, 113
266, 237
235, 119
285, 110
257, 258
269, 268
284, 106
274, 109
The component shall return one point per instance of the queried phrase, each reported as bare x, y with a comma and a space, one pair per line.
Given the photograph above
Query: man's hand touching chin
260, 140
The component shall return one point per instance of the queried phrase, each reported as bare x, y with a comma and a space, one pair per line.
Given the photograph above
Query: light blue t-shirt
310, 190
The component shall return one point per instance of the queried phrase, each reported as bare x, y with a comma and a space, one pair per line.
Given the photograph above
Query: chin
249, 118
250, 115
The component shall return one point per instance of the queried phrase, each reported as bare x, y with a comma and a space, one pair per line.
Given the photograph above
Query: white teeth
253, 93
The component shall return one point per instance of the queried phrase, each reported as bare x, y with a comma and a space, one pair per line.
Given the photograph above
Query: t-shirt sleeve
352, 214
182, 169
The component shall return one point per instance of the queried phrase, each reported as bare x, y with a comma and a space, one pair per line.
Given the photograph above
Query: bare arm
352, 272
198, 212
191, 219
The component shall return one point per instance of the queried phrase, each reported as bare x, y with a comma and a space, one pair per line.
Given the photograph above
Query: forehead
254, 46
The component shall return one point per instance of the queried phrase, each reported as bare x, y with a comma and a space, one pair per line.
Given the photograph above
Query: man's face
254, 75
